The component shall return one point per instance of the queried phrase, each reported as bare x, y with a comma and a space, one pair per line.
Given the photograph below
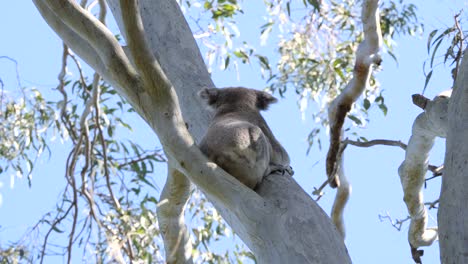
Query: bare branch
171, 218
420, 100
94, 32
397, 224
53, 226
427, 126
432, 205
93, 42
366, 56
436, 170
319, 192
143, 58
61, 89
73, 40
341, 199
460, 48
375, 142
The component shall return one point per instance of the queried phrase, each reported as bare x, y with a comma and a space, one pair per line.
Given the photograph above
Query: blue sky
372, 172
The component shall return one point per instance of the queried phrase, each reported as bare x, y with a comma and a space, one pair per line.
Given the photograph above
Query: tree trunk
453, 211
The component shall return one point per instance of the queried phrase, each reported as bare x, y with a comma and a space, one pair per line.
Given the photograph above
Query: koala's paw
274, 168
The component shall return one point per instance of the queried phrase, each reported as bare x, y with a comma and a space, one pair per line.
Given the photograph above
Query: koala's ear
210, 95
264, 100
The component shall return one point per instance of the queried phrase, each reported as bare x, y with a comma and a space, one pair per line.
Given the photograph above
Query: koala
238, 139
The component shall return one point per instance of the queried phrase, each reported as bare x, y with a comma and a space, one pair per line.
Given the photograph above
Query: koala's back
238, 138
239, 147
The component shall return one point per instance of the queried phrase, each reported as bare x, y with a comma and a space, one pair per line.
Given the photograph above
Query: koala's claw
282, 169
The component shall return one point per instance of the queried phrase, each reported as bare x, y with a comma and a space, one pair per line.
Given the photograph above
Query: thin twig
460, 50
397, 224
52, 228
371, 143
75, 218
319, 192
436, 170
432, 205
18, 79
80, 70
61, 88
155, 154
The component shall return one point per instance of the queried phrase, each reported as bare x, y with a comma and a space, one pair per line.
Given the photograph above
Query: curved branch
366, 56
171, 218
90, 29
73, 40
341, 199
427, 126
144, 60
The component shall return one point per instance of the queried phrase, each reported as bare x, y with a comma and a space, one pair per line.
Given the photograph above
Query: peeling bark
366, 56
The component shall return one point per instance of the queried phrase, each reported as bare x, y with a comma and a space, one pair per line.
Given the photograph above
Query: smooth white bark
453, 209
341, 199
428, 125
174, 197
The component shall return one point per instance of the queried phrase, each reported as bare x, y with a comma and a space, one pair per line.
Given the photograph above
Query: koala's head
237, 97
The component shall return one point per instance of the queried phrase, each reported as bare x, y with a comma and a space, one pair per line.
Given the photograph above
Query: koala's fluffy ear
264, 100
210, 95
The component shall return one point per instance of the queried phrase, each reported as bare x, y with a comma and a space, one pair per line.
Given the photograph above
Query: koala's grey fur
238, 138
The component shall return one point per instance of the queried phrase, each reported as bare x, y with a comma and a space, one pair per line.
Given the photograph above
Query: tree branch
73, 40
171, 218
143, 58
366, 56
427, 126
375, 142
74, 23
341, 199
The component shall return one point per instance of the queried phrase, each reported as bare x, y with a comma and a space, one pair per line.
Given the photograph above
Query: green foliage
13, 255
453, 41
315, 46
24, 122
317, 54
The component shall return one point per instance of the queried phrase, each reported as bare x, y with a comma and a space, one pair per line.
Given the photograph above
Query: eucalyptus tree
325, 56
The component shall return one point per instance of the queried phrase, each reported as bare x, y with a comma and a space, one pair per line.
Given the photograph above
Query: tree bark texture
453, 210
